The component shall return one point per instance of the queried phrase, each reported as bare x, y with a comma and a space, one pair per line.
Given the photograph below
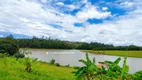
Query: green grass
10, 69
137, 54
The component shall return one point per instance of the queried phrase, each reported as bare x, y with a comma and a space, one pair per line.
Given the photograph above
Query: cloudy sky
117, 22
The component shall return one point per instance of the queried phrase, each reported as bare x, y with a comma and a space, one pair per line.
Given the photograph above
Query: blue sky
115, 22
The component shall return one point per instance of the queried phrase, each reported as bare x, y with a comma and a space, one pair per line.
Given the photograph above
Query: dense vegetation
8, 45
106, 70
58, 44
49, 43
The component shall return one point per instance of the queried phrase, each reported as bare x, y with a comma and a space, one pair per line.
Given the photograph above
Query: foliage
68, 65
138, 75
108, 70
18, 55
5, 61
40, 71
88, 71
2, 55
8, 46
124, 70
52, 61
57, 64
28, 64
45, 71
49, 43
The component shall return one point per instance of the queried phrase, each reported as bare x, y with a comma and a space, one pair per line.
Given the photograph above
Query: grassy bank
137, 54
13, 69
10, 69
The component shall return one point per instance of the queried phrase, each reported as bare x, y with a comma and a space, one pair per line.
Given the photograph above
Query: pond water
71, 57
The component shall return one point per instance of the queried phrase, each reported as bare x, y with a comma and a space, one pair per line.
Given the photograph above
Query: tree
10, 37
8, 46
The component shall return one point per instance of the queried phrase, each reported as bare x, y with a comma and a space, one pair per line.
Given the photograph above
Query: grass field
10, 69
137, 54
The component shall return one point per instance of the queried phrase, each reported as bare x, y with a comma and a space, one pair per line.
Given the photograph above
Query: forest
48, 43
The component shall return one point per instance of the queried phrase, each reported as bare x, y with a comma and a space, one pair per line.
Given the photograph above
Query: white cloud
104, 8
85, 1
69, 6
2, 30
90, 11
24, 19
44, 1
33, 19
125, 30
72, 7
60, 3
127, 4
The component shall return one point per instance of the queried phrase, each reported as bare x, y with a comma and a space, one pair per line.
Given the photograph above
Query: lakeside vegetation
130, 53
48, 43
106, 70
12, 69
15, 66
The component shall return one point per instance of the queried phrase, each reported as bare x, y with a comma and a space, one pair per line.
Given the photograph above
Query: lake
71, 57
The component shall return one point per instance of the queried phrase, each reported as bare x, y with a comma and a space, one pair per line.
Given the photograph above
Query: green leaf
87, 58
117, 60
84, 62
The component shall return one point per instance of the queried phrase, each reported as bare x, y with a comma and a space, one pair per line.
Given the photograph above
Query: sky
117, 22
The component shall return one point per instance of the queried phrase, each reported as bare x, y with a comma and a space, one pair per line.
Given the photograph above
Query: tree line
10, 43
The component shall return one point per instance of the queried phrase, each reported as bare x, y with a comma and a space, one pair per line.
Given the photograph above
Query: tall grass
15, 70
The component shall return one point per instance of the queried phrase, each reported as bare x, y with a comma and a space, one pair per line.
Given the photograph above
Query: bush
8, 46
138, 75
29, 62
67, 65
2, 55
52, 61
76, 67
18, 55
57, 64
108, 71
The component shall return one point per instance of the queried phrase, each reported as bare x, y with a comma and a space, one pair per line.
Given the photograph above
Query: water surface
71, 57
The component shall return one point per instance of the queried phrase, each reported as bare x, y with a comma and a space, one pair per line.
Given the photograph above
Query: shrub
18, 55
8, 46
113, 71
2, 55
28, 64
57, 64
76, 67
68, 65
138, 75
52, 61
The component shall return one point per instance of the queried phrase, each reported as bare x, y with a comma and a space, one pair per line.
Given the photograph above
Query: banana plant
112, 72
88, 71
114, 69
124, 70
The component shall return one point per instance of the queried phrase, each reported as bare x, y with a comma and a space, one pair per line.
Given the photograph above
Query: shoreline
133, 54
